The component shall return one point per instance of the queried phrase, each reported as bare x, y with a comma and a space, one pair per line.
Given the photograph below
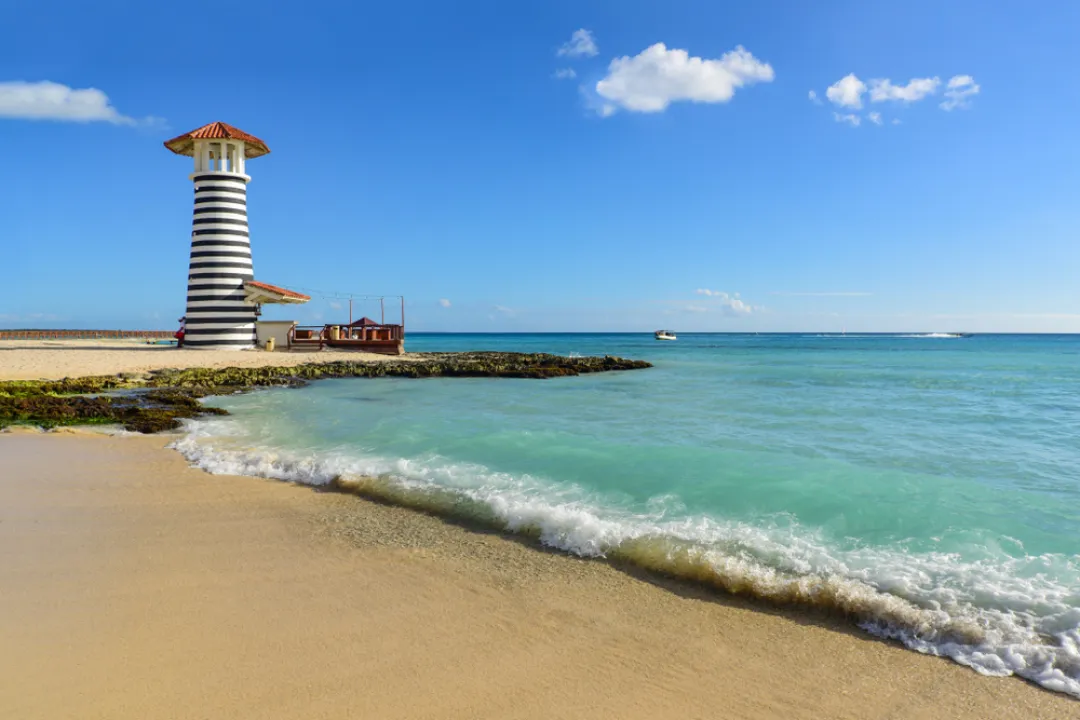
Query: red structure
185, 144
364, 334
382, 339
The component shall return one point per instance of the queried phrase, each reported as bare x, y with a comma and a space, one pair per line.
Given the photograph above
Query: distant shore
139, 587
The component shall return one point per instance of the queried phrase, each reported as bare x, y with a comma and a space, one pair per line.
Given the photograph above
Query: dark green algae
159, 400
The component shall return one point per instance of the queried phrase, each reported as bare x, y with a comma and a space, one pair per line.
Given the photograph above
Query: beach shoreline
158, 399
137, 586
59, 359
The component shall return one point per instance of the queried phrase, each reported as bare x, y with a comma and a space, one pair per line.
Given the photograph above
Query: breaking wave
933, 335
887, 336
1001, 615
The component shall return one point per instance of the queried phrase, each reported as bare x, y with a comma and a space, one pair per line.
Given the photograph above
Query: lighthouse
223, 298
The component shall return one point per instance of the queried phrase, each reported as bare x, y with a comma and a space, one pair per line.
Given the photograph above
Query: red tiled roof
184, 144
275, 289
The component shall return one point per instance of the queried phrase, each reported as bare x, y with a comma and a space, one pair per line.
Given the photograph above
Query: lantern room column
218, 316
217, 313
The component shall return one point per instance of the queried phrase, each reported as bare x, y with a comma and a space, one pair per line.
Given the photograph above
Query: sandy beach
58, 359
138, 587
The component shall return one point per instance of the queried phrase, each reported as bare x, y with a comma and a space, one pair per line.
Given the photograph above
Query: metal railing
389, 339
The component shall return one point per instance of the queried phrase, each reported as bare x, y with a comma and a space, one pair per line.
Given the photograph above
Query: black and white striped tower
218, 315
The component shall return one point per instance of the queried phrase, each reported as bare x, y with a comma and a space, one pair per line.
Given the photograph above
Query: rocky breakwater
159, 400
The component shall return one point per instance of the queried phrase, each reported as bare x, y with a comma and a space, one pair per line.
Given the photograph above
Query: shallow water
927, 486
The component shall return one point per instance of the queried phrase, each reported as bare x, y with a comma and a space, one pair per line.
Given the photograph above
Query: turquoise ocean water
927, 486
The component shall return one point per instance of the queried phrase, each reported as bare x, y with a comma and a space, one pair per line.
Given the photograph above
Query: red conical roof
185, 144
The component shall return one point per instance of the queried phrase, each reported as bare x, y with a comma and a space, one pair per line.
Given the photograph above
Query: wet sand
132, 586
58, 359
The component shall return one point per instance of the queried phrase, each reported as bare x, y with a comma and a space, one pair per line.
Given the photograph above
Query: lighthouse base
208, 335
188, 346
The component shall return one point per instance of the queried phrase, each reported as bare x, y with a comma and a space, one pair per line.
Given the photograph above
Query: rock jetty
159, 400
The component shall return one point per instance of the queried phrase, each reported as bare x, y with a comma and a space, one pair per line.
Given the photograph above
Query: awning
262, 293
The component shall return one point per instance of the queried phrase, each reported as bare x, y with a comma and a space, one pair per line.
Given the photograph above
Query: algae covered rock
137, 411
161, 400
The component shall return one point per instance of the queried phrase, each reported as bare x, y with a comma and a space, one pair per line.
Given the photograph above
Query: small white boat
664, 335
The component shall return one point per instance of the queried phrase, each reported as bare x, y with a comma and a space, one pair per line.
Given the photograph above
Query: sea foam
1000, 615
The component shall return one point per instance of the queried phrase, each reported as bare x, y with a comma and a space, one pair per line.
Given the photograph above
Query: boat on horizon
664, 335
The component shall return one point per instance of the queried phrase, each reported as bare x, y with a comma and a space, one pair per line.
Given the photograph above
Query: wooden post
402, 317
382, 309
350, 312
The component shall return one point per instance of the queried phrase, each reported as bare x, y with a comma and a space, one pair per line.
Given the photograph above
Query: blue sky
444, 152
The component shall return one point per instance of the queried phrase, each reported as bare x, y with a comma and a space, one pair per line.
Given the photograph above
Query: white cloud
581, 44
959, 89
565, 74
896, 121
29, 317
444, 302
853, 120
814, 97
847, 92
883, 90
657, 77
504, 310
735, 306
52, 101
335, 305
696, 308
594, 103
729, 303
